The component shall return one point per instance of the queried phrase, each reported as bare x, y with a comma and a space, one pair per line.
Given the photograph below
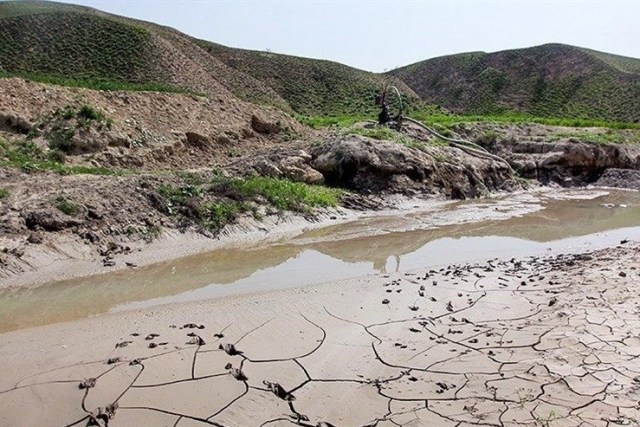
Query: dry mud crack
532, 342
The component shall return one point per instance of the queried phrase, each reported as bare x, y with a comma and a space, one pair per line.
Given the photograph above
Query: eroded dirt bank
521, 342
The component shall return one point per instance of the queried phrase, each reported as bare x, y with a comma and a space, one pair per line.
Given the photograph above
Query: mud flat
419, 236
542, 340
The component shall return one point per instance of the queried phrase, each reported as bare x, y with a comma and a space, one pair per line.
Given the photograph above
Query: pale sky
377, 35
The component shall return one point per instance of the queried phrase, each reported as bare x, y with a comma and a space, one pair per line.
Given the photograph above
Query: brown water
521, 225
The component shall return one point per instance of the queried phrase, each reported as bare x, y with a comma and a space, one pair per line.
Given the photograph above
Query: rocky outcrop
370, 166
620, 178
264, 127
194, 139
15, 123
568, 163
291, 164
49, 220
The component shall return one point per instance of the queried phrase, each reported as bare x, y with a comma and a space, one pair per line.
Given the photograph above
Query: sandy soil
538, 341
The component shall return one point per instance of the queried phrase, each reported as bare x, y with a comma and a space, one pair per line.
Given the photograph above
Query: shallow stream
507, 226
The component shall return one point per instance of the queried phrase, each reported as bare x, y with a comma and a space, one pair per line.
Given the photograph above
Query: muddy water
520, 225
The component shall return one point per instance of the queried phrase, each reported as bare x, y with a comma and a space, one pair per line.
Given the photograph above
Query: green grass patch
66, 206
452, 120
98, 84
87, 112
383, 133
4, 193
281, 193
179, 195
215, 216
610, 136
30, 158
219, 203
321, 122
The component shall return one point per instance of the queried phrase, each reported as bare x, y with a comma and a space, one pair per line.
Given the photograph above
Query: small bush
66, 206
215, 216
57, 156
178, 195
87, 112
487, 139
4, 193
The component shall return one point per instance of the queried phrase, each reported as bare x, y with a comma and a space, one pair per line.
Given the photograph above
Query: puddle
513, 226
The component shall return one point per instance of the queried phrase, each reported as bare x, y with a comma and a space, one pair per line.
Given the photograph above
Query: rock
87, 383
620, 178
224, 140
266, 168
306, 175
192, 326
15, 123
247, 133
196, 140
117, 140
102, 416
368, 165
230, 349
264, 127
279, 391
572, 163
49, 220
197, 340
35, 238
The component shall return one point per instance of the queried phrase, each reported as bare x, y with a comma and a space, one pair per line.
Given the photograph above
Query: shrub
4, 193
87, 112
215, 216
66, 206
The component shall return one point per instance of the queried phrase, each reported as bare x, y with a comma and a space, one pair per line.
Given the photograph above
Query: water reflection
447, 233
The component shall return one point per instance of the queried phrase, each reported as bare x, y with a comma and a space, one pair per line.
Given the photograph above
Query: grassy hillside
69, 43
76, 45
546, 81
310, 86
80, 46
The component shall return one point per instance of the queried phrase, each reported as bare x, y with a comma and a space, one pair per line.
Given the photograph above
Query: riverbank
523, 224
65, 257
545, 340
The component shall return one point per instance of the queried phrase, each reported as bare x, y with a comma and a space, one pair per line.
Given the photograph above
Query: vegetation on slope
311, 86
79, 46
544, 81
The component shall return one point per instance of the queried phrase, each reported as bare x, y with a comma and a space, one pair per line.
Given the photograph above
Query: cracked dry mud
548, 341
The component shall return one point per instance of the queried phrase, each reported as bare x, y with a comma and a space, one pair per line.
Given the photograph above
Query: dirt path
537, 342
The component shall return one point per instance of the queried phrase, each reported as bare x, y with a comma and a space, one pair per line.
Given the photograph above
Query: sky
379, 35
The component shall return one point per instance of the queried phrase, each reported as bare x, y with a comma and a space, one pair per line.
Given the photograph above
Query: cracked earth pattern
547, 341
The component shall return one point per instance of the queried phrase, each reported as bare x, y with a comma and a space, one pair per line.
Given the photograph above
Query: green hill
311, 86
75, 45
72, 43
79, 45
552, 80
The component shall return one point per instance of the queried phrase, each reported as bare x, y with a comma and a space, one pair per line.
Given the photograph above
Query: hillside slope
549, 80
310, 85
42, 39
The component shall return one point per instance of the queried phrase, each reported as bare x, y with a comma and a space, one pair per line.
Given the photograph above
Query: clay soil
549, 341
